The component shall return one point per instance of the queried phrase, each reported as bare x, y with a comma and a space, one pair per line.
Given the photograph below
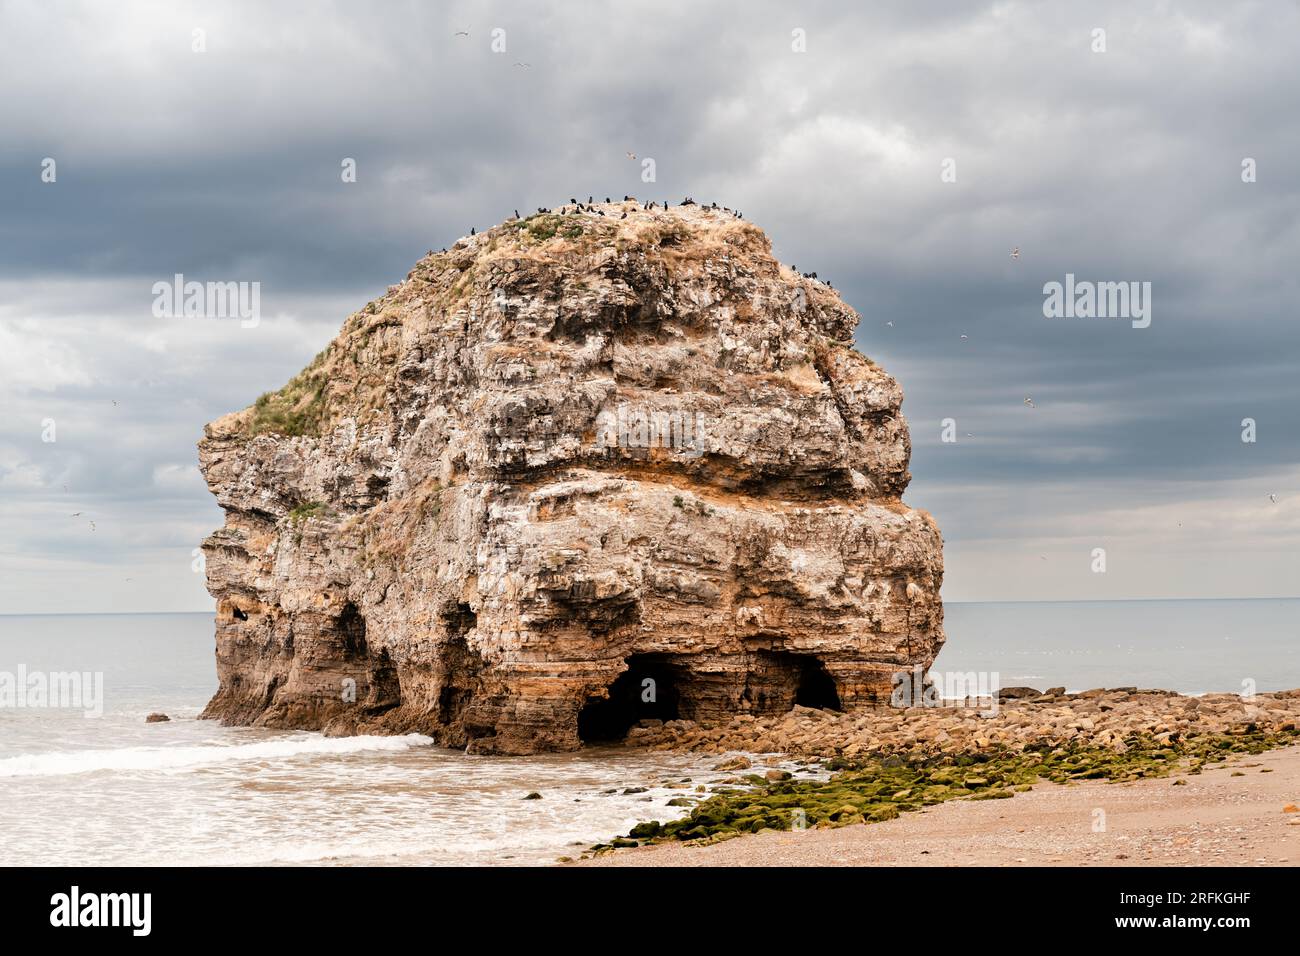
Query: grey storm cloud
1121, 165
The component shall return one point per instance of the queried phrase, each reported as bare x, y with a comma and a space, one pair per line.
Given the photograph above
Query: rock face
578, 472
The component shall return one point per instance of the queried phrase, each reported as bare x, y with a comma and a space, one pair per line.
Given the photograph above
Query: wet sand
1215, 818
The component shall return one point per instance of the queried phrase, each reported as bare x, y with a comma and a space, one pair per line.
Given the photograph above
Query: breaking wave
67, 762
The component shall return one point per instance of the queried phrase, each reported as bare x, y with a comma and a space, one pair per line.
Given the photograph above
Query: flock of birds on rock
576, 207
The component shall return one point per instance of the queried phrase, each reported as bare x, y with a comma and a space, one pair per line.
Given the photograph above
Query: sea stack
574, 473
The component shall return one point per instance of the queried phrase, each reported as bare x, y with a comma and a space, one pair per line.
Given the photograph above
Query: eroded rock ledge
569, 456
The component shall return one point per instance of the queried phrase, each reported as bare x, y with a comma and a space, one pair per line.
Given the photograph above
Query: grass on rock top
543, 226
297, 409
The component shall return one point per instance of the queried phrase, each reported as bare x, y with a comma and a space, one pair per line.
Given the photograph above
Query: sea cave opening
815, 687
779, 680
647, 690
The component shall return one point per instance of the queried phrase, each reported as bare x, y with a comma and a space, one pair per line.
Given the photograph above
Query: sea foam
66, 762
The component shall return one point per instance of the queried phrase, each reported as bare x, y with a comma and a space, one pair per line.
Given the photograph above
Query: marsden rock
577, 472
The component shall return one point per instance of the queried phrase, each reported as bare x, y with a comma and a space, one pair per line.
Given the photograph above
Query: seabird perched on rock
572, 200
516, 213
713, 205
590, 200
471, 230
607, 199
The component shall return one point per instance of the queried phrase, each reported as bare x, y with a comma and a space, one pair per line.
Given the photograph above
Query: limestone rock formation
577, 472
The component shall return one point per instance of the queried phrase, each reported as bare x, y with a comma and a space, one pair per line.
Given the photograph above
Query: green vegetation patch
543, 226
307, 510
304, 513
297, 409
881, 787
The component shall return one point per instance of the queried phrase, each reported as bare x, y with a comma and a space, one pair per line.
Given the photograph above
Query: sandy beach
1231, 815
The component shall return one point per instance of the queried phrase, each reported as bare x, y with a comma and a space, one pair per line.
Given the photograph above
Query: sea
85, 780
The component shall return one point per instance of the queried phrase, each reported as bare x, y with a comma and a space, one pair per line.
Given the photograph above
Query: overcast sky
1113, 166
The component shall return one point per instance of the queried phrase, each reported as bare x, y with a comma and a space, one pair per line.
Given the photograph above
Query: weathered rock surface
573, 460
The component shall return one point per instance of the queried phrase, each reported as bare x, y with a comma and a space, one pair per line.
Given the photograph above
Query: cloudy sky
1123, 165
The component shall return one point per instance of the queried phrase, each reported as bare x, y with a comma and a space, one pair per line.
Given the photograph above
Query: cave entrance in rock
647, 690
814, 686
378, 685
779, 680
351, 628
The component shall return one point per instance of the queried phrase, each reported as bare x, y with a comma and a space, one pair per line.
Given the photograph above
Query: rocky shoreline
893, 760
1022, 718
